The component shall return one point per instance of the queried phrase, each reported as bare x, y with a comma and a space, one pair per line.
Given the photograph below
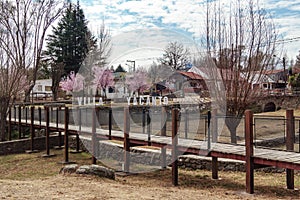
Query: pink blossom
137, 81
73, 82
103, 78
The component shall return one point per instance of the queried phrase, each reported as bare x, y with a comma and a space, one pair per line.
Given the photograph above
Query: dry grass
32, 177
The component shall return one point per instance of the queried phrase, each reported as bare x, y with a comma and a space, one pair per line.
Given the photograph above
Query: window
39, 88
47, 88
111, 90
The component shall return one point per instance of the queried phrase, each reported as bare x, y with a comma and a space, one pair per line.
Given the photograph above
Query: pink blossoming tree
103, 78
137, 82
72, 83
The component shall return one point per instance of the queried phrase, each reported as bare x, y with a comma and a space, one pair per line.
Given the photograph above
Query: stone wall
22, 145
110, 150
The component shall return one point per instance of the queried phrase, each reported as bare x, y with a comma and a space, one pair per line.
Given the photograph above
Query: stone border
22, 145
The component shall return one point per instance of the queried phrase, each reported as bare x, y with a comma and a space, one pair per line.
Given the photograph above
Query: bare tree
242, 42
100, 50
26, 23
103, 45
12, 83
158, 74
176, 56
23, 24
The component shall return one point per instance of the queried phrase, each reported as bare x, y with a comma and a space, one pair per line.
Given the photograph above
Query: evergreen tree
297, 64
68, 45
71, 40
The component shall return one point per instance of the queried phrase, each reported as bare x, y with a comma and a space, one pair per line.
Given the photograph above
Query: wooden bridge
254, 157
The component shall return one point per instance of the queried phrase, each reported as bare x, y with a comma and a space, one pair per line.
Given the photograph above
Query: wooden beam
47, 130
174, 147
94, 139
9, 123
126, 140
66, 136
290, 138
214, 124
149, 124
32, 135
109, 123
20, 124
214, 167
249, 151
163, 133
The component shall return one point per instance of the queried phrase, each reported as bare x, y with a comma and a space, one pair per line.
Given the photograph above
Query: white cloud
186, 15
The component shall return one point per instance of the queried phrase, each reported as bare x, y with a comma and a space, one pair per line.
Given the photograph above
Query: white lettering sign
149, 101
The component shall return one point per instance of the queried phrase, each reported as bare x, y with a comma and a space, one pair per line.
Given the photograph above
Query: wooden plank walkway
191, 146
253, 157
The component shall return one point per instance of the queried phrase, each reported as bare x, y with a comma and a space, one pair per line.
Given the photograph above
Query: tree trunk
4, 103
232, 124
27, 93
54, 90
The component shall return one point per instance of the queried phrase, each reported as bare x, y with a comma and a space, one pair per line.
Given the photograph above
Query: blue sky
148, 25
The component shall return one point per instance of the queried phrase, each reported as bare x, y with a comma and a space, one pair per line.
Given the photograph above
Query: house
42, 88
186, 83
119, 90
272, 81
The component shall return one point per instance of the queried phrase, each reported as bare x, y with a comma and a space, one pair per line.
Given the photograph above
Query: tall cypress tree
69, 42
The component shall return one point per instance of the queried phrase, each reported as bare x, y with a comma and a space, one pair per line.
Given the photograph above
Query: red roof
191, 75
274, 71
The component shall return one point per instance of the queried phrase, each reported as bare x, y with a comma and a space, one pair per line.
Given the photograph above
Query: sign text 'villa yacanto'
148, 101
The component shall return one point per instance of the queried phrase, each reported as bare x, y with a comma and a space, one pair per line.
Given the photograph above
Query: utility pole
285, 76
132, 61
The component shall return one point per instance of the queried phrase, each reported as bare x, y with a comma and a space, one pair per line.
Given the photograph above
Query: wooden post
149, 127
15, 113
9, 123
40, 116
94, 139
163, 133
32, 128
214, 124
186, 124
26, 116
126, 140
47, 133
163, 121
79, 131
57, 122
20, 122
214, 167
144, 120
174, 147
109, 123
290, 138
66, 136
208, 130
249, 151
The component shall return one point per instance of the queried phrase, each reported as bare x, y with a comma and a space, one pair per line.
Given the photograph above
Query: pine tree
68, 45
69, 42
297, 64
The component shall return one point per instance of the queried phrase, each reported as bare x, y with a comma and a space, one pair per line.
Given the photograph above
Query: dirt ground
74, 187
141, 186
59, 187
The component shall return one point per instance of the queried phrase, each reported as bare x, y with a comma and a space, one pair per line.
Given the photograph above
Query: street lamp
132, 61
284, 73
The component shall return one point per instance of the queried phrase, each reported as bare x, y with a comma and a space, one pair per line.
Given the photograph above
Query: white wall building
42, 88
